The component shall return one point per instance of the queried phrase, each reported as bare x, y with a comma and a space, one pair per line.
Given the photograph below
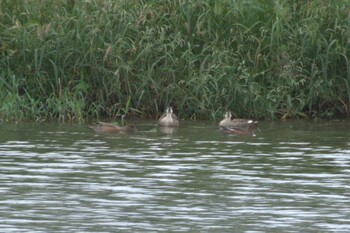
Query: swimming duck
168, 119
103, 127
237, 126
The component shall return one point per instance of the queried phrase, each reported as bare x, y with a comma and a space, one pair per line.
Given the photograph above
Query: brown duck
237, 126
168, 119
103, 127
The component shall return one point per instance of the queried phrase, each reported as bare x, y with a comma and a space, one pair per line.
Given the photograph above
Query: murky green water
291, 177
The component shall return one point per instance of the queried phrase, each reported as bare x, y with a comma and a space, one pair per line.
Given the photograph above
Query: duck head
228, 115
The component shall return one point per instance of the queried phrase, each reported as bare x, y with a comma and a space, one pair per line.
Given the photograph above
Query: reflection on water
168, 130
291, 177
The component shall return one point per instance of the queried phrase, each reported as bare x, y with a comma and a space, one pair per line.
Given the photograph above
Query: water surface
292, 176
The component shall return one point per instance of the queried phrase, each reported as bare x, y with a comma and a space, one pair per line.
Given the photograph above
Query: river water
293, 176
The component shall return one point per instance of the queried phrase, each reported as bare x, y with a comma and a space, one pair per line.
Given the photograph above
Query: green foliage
70, 60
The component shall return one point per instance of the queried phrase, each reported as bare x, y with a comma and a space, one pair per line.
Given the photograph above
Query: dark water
290, 177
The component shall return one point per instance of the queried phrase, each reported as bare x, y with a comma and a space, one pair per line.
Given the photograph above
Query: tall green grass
71, 60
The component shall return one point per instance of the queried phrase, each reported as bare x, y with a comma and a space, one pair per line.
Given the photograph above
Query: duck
168, 119
103, 127
237, 126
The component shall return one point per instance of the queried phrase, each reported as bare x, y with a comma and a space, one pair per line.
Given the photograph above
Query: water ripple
73, 179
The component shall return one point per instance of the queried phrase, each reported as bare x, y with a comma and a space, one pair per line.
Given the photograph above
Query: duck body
103, 127
237, 126
168, 119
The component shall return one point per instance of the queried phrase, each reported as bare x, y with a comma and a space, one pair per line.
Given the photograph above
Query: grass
73, 60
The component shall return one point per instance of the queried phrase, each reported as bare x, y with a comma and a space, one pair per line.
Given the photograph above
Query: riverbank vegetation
72, 60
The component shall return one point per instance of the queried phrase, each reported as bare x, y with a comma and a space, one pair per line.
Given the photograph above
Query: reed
73, 60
